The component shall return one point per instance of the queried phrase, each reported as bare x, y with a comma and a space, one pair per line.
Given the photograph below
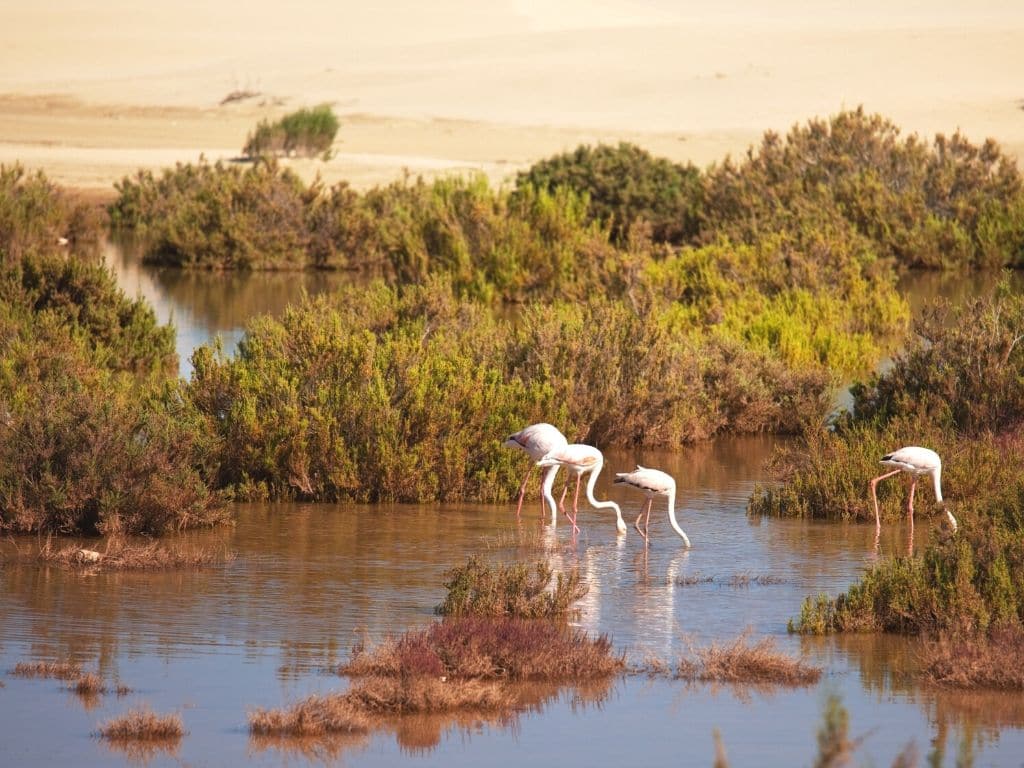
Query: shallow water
309, 580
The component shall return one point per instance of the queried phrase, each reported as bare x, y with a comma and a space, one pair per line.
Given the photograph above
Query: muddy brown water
310, 580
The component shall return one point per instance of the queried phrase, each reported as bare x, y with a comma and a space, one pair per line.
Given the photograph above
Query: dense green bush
219, 216
94, 437
624, 185
85, 449
35, 217
951, 204
306, 132
385, 394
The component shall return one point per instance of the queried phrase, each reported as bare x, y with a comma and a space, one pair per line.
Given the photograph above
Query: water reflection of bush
419, 735
890, 664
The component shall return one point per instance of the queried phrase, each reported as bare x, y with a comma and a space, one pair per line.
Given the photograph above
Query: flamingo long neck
672, 517
549, 481
937, 479
620, 524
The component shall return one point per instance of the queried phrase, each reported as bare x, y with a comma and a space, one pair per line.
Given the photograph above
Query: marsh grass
747, 579
143, 725
313, 716
965, 660
61, 670
475, 648
741, 661
693, 579
517, 590
89, 684
121, 555
306, 132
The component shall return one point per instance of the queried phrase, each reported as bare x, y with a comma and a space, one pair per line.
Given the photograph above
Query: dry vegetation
314, 716
121, 555
479, 648
61, 670
741, 661
967, 661
143, 725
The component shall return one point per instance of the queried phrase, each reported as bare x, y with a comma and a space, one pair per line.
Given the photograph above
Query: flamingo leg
565, 490
575, 507
647, 521
910, 500
522, 491
874, 495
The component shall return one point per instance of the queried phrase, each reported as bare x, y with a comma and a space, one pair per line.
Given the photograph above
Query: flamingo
652, 482
579, 459
916, 462
537, 440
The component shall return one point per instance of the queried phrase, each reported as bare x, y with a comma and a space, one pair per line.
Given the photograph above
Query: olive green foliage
518, 590
93, 435
959, 381
956, 391
35, 215
948, 204
307, 132
384, 394
625, 185
218, 216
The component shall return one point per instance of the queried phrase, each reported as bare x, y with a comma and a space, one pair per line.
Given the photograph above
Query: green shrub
517, 591
35, 215
383, 394
307, 132
87, 450
951, 204
624, 185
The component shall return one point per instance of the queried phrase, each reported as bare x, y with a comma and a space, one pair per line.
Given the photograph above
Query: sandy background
91, 90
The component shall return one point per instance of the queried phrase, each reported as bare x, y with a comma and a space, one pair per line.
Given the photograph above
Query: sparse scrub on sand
143, 725
61, 670
741, 661
517, 590
967, 660
306, 132
488, 649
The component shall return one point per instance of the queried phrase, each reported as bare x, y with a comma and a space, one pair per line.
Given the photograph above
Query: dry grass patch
504, 649
143, 725
741, 661
120, 555
519, 590
314, 716
89, 684
965, 661
61, 670
746, 579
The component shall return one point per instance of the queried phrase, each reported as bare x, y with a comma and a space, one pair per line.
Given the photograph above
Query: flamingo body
916, 462
580, 459
536, 440
653, 482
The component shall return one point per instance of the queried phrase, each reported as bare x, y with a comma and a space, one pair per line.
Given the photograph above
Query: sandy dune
91, 91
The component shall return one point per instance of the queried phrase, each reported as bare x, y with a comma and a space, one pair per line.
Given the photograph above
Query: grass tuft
740, 661
143, 725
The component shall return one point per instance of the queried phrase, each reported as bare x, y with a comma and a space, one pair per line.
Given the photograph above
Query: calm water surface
310, 580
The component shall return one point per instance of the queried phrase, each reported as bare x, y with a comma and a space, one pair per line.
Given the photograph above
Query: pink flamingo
916, 462
536, 440
652, 482
580, 460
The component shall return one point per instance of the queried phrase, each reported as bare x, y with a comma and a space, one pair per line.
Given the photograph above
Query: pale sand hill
91, 90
